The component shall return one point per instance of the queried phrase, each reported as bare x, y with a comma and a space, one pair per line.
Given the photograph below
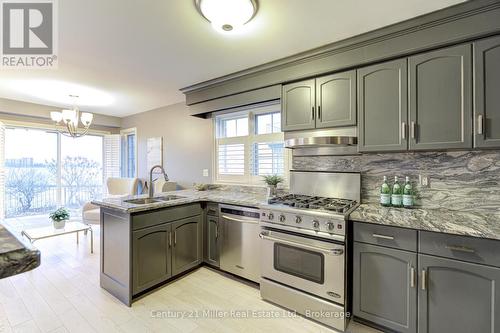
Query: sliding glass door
46, 170
30, 171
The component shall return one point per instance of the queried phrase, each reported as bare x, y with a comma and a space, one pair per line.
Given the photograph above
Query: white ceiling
138, 54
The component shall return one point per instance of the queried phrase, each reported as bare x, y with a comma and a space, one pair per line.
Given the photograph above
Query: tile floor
63, 295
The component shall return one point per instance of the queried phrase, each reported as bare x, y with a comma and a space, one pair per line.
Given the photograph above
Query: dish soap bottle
408, 194
385, 193
397, 193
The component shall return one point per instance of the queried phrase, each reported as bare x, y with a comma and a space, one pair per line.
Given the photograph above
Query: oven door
311, 265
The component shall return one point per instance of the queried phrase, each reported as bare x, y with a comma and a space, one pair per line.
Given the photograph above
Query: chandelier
67, 121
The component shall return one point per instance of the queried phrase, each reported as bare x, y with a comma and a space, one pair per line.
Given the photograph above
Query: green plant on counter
273, 180
61, 214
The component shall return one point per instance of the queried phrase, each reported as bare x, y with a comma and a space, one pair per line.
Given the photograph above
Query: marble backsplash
467, 180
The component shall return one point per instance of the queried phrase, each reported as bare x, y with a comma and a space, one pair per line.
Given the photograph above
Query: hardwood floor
63, 295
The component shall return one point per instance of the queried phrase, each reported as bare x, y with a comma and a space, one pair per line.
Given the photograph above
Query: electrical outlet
205, 172
423, 180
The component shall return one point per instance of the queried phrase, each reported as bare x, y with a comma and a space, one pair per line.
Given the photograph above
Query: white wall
187, 142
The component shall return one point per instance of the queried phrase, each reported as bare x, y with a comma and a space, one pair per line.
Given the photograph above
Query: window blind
112, 156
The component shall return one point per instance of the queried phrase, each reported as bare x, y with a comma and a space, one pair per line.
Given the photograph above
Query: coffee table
36, 234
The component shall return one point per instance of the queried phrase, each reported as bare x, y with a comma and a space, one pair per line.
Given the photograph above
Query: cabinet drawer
212, 209
151, 218
476, 250
398, 238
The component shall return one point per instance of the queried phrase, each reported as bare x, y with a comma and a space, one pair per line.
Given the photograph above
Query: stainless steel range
303, 264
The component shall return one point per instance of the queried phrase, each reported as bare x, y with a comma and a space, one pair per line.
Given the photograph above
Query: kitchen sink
146, 201
169, 198
142, 201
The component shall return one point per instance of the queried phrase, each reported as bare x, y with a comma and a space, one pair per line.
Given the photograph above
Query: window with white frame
249, 145
129, 153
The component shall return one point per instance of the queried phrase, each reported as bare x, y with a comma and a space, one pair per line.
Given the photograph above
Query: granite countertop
464, 222
252, 199
16, 256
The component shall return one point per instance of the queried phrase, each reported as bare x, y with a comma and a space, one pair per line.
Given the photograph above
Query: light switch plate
205, 172
423, 180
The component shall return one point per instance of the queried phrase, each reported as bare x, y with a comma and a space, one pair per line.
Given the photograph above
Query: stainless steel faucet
151, 187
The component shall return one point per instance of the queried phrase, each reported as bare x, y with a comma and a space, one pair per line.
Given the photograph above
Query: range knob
270, 216
282, 218
330, 226
315, 224
298, 219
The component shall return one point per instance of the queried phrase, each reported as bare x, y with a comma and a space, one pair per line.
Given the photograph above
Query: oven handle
336, 252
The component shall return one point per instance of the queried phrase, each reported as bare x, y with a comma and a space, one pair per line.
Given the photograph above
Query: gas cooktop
313, 202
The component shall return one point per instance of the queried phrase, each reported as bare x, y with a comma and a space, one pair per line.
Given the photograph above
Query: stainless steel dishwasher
240, 252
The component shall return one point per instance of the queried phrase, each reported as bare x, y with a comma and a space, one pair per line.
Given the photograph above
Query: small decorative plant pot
272, 190
59, 224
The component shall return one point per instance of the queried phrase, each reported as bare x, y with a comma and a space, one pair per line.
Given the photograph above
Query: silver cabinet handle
412, 277
383, 236
480, 124
312, 113
460, 248
412, 129
403, 130
336, 252
169, 239
175, 238
217, 230
424, 280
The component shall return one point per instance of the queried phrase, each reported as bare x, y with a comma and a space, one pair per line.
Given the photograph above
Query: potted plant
272, 182
59, 217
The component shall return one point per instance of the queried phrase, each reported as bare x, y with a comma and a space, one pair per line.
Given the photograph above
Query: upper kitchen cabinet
440, 99
325, 102
298, 105
382, 102
336, 100
486, 92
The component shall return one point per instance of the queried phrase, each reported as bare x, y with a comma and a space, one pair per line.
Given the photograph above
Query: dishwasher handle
226, 217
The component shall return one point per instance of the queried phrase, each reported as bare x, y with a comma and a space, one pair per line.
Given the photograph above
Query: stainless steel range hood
339, 141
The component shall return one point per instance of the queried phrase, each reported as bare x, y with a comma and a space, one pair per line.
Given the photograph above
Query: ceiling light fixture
71, 120
227, 15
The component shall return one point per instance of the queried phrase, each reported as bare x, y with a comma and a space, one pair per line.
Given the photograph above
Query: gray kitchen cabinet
382, 105
186, 248
486, 96
298, 105
384, 290
336, 100
458, 297
151, 259
440, 99
212, 240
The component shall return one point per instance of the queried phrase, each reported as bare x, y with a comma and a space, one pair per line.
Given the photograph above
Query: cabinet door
186, 249
440, 99
384, 288
458, 297
382, 105
298, 105
151, 258
486, 88
212, 241
336, 100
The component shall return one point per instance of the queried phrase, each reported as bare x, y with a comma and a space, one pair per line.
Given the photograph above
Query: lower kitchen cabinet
151, 259
458, 297
212, 241
384, 288
187, 244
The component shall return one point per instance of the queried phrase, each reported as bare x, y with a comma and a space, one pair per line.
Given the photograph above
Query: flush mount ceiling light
227, 15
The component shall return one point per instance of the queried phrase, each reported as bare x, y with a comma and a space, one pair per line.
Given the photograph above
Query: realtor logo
28, 34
